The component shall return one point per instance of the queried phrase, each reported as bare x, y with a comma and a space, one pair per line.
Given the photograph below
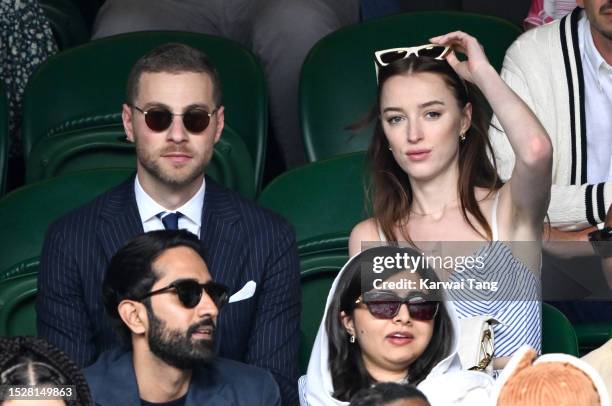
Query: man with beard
174, 116
161, 299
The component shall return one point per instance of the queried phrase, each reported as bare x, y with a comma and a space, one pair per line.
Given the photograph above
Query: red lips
418, 154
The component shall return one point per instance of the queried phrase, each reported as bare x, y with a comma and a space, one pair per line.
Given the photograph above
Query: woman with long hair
434, 178
380, 325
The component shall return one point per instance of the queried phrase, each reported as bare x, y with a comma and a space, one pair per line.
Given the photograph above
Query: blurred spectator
528, 380
544, 11
389, 394
33, 361
26, 42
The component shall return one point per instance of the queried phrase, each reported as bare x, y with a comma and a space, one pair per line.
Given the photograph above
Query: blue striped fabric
244, 242
516, 304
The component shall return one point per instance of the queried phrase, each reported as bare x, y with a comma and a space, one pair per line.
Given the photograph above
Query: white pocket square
247, 292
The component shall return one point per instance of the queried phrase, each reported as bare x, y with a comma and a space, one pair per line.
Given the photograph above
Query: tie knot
170, 220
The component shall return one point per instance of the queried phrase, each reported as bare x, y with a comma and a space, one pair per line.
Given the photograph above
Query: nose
206, 307
414, 132
177, 132
403, 315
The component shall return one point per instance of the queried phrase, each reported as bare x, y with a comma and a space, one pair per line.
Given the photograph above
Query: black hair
345, 360
382, 394
173, 58
130, 274
33, 361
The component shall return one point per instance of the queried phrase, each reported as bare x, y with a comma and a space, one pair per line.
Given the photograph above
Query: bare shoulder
367, 230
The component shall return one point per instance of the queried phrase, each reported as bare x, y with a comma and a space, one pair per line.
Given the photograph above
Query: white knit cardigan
543, 66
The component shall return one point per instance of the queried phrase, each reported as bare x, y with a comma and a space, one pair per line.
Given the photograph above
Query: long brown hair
390, 191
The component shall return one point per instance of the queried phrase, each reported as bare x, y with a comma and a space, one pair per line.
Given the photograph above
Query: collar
590, 54
115, 369
149, 208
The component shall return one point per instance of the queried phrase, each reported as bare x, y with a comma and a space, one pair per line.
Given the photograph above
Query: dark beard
177, 348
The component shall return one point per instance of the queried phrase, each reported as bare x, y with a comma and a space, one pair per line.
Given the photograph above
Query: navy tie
170, 220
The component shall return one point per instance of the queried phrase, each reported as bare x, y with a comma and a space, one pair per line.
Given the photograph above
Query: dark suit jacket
112, 382
244, 242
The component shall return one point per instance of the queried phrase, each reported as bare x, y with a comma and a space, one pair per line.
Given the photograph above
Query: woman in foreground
370, 334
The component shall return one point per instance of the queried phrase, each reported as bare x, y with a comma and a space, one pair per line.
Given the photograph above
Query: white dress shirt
598, 105
191, 219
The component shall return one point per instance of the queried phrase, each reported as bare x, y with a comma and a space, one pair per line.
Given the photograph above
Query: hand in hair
476, 64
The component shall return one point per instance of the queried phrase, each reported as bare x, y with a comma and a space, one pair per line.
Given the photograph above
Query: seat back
94, 75
4, 139
67, 23
106, 147
26, 213
17, 306
321, 258
320, 198
338, 83
558, 334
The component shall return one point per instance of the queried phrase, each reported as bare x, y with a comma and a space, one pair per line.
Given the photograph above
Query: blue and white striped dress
516, 304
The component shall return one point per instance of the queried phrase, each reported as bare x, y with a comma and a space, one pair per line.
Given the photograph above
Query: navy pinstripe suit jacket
244, 242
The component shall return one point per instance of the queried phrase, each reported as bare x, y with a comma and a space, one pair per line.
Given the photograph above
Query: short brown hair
173, 58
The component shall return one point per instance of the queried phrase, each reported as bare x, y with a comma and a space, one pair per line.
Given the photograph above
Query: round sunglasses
189, 292
388, 308
159, 118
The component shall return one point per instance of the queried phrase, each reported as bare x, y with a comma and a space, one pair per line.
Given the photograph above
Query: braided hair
33, 361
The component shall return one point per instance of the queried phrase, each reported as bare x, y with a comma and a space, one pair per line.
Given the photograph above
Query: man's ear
347, 322
134, 315
126, 117
466, 118
220, 122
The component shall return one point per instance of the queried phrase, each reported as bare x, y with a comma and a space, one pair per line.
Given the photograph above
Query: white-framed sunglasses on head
387, 56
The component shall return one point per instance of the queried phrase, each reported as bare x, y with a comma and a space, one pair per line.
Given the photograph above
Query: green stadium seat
320, 198
25, 215
338, 84
592, 335
558, 334
106, 147
67, 23
321, 258
27, 212
4, 139
17, 311
93, 78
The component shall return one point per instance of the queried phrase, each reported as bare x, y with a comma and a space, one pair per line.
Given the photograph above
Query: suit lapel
120, 218
221, 233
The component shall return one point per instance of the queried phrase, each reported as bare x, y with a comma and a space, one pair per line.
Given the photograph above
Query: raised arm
530, 182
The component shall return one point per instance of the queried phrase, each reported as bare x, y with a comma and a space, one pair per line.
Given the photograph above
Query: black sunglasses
159, 118
387, 307
189, 292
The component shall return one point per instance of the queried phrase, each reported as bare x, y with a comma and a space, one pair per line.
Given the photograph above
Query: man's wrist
601, 240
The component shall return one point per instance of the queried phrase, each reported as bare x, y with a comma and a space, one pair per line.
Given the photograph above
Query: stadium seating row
84, 130
74, 148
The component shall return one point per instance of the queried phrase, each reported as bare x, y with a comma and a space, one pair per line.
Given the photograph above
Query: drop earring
462, 137
352, 339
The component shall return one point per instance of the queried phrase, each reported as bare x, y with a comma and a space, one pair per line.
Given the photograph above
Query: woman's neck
433, 197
